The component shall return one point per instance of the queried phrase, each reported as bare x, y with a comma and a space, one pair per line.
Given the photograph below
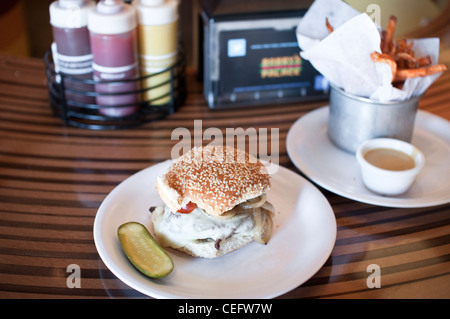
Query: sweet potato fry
328, 25
424, 61
403, 46
383, 39
406, 56
405, 60
403, 74
385, 58
389, 36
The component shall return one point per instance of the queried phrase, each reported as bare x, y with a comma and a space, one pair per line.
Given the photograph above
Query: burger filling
251, 218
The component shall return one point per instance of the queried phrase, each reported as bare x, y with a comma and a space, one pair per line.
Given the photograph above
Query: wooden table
53, 179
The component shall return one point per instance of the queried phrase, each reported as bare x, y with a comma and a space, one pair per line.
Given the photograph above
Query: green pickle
143, 251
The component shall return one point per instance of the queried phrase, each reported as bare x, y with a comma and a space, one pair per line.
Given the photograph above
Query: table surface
53, 179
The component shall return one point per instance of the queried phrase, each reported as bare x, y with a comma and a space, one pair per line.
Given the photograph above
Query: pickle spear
143, 251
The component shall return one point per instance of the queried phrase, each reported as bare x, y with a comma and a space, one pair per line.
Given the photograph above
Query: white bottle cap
70, 13
152, 2
112, 17
70, 3
163, 12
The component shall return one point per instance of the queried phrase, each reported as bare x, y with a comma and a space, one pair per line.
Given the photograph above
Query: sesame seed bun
216, 178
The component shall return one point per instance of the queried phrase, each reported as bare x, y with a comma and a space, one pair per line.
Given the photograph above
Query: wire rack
75, 99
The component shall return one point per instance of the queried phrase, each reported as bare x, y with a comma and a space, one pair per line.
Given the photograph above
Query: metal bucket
354, 120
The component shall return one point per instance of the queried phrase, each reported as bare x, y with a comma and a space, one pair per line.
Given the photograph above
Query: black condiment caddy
87, 115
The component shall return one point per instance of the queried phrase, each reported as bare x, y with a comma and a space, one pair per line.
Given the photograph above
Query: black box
251, 55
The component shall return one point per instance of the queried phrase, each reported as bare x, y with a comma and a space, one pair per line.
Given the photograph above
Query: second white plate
312, 152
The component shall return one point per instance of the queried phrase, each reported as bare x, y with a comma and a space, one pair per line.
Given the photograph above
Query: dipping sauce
389, 159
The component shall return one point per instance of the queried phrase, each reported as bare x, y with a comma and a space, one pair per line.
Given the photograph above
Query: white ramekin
389, 182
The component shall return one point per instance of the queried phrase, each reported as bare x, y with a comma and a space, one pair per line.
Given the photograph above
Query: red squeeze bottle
113, 37
71, 49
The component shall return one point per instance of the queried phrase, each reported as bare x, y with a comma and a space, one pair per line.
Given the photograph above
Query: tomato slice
189, 207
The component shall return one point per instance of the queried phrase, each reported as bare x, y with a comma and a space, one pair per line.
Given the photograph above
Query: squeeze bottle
113, 38
71, 49
158, 37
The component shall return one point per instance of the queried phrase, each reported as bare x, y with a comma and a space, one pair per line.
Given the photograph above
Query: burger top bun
216, 178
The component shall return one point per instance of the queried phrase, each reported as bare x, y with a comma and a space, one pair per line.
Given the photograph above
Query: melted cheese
175, 230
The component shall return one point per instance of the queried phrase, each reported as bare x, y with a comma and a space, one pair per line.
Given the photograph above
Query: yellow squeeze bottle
158, 35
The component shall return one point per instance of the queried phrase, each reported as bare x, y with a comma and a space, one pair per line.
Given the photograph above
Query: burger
215, 202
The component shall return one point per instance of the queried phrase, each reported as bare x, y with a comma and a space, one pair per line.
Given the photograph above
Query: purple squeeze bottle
71, 49
113, 37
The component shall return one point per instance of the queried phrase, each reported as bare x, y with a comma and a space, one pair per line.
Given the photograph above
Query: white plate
303, 237
312, 152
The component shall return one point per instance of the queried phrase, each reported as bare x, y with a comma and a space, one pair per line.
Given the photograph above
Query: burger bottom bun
208, 249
